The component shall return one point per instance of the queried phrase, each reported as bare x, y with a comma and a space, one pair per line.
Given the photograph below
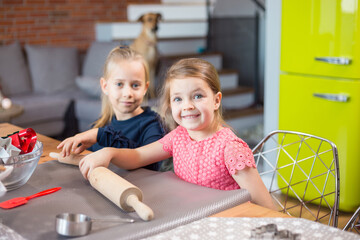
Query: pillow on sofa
14, 73
52, 68
95, 58
89, 85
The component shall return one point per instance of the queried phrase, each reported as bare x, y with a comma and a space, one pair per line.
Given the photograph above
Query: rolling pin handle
144, 212
54, 155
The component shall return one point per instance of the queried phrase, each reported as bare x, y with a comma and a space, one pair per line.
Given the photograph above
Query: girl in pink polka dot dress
204, 150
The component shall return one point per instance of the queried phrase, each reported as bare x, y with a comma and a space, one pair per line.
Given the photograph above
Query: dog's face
150, 21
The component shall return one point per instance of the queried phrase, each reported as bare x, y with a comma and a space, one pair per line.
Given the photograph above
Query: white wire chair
353, 225
301, 172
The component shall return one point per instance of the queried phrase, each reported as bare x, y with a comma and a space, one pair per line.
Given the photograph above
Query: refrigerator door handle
334, 60
332, 97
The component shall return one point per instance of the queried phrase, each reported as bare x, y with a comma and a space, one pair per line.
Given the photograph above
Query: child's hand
100, 158
78, 143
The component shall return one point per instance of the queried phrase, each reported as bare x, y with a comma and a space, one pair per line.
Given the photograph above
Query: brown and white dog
146, 45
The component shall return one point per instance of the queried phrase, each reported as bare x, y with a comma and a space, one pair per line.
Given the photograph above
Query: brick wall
58, 22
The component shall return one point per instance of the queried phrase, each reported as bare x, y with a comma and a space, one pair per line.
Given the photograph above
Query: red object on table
24, 140
15, 202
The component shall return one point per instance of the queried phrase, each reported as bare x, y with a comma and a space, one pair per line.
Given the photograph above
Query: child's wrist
109, 154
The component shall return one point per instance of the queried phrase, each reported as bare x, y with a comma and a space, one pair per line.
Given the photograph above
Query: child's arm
241, 165
124, 158
249, 178
78, 143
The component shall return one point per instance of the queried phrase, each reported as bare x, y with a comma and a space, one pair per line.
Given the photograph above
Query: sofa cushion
87, 111
40, 108
52, 68
71, 93
95, 58
14, 73
89, 85
51, 129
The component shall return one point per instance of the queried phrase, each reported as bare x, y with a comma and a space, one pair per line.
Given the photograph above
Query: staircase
182, 33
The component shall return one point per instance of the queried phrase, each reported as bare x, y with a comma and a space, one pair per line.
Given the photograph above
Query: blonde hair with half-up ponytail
121, 53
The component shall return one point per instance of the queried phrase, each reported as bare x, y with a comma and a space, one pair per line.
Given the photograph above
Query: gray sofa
58, 88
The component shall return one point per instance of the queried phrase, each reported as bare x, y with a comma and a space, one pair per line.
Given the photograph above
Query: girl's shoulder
226, 133
169, 139
230, 137
224, 136
178, 131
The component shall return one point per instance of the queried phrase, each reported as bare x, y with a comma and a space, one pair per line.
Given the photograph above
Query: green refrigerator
320, 81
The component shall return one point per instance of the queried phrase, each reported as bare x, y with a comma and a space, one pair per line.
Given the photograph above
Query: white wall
272, 65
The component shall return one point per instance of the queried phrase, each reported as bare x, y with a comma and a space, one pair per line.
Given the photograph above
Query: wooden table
49, 144
249, 209
244, 210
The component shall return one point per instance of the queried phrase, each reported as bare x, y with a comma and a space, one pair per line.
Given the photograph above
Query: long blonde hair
116, 55
185, 68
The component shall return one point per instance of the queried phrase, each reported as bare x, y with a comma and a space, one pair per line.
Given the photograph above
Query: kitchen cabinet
320, 81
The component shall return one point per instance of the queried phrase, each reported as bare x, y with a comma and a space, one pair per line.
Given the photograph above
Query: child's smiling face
193, 104
125, 88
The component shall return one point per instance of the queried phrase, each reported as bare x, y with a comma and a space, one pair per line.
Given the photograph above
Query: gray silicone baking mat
174, 202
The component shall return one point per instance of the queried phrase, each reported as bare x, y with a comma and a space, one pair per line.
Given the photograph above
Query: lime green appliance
320, 81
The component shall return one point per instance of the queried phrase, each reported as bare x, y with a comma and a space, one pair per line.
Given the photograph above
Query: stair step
238, 98
238, 90
214, 58
244, 119
172, 11
228, 79
116, 31
239, 113
168, 47
177, 46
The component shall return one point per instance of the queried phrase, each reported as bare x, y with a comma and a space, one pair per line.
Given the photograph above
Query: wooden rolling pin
124, 194
121, 192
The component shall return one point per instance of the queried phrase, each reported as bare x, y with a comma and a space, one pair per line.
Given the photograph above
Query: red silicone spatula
11, 203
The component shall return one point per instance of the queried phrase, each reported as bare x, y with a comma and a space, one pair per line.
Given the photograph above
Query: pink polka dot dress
209, 162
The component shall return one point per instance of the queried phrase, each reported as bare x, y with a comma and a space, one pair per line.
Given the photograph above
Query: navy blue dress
135, 132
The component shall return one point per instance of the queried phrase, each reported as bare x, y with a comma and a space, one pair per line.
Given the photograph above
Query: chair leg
354, 222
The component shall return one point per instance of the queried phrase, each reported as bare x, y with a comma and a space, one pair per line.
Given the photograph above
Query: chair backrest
353, 225
301, 172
